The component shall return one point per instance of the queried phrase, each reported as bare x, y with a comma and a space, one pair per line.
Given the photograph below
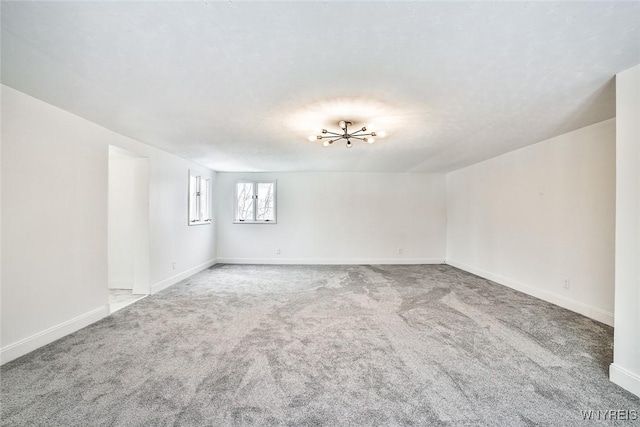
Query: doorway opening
128, 228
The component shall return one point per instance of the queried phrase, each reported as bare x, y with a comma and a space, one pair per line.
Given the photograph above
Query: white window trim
255, 183
201, 176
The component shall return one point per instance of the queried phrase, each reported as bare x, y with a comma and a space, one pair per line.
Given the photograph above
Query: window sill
255, 222
201, 223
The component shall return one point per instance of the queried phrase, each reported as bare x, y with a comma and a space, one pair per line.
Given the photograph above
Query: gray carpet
323, 345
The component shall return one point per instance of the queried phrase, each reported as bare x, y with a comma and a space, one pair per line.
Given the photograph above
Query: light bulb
342, 124
325, 143
324, 131
371, 140
312, 138
381, 134
349, 144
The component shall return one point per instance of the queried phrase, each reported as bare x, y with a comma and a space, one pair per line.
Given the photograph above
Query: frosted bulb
371, 140
342, 124
349, 144
381, 134
312, 138
325, 143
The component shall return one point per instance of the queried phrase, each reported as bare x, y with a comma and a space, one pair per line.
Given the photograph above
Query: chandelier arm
335, 138
333, 133
356, 137
362, 134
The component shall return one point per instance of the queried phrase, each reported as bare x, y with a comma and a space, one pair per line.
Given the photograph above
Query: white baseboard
331, 261
625, 379
568, 303
27, 345
164, 284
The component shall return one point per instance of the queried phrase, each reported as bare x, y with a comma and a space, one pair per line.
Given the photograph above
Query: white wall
625, 370
140, 239
338, 218
128, 221
121, 221
54, 222
531, 218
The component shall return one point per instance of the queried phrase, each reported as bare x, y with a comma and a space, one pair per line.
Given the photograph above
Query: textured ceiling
239, 86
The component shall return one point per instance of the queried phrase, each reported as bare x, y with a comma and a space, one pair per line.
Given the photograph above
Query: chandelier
361, 134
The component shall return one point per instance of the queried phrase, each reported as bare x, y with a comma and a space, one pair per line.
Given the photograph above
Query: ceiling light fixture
331, 137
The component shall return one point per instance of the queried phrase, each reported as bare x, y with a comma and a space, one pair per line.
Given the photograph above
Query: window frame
255, 184
199, 176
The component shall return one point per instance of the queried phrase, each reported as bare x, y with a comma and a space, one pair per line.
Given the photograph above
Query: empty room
320, 213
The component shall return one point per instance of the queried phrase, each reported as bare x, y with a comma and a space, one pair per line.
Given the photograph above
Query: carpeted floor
323, 345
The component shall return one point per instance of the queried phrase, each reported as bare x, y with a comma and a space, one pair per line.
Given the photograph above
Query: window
255, 202
199, 199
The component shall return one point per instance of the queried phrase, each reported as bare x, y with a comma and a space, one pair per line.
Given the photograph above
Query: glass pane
204, 200
193, 203
244, 201
266, 202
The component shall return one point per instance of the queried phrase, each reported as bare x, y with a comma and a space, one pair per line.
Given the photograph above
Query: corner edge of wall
624, 378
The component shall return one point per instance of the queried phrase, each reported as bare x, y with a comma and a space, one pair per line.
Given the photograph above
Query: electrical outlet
566, 284
278, 251
173, 265
400, 251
